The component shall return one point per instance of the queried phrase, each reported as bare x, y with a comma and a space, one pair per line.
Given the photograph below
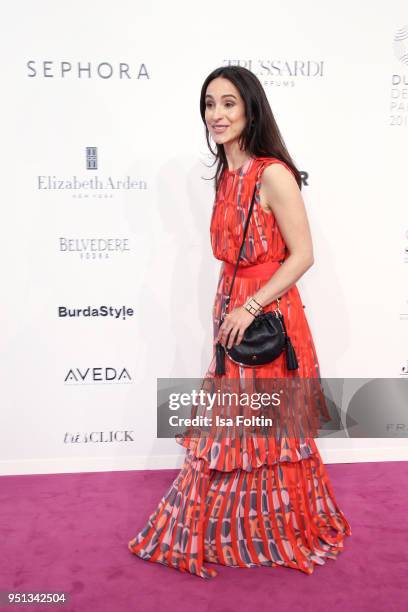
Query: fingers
232, 329
223, 335
232, 335
240, 336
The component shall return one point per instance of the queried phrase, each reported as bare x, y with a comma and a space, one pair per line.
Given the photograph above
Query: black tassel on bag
291, 359
219, 359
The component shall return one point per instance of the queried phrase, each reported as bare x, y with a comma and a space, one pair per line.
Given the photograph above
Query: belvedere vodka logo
93, 248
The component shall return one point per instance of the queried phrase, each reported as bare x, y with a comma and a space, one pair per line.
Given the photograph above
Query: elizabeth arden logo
91, 158
90, 186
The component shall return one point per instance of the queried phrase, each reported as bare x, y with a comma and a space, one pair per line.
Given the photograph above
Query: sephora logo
50, 69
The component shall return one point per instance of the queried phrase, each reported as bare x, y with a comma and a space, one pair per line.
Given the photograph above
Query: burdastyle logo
123, 312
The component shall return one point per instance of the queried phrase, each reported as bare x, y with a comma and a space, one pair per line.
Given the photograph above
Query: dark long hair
261, 136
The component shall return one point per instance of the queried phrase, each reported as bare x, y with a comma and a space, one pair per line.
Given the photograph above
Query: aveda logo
95, 375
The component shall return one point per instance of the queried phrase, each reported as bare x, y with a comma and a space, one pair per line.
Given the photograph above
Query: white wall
340, 126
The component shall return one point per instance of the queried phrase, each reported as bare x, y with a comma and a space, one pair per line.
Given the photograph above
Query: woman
248, 501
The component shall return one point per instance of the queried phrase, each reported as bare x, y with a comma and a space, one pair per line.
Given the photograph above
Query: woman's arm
281, 194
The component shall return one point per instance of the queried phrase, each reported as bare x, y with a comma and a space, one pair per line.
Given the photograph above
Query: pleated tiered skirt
282, 514
252, 500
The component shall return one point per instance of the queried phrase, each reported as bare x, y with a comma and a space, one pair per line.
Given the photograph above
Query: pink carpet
70, 532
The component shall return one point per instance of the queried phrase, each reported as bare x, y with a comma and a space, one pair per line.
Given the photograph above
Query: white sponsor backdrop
125, 78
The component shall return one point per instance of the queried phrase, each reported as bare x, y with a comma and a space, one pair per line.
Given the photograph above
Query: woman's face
224, 111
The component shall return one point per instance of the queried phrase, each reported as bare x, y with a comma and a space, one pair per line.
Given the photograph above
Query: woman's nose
217, 113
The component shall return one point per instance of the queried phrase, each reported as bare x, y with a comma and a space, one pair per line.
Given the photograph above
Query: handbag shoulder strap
242, 246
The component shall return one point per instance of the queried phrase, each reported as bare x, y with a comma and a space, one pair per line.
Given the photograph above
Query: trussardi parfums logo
281, 72
71, 70
97, 375
92, 185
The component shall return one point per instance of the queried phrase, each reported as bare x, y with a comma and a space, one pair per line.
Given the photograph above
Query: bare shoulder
279, 187
278, 177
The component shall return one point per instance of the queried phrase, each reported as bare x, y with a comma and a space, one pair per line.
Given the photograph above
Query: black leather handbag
263, 340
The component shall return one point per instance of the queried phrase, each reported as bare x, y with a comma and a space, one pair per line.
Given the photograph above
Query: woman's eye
227, 104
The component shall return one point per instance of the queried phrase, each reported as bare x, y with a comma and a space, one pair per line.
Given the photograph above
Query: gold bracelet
253, 310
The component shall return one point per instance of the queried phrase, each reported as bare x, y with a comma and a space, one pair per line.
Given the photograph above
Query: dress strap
268, 161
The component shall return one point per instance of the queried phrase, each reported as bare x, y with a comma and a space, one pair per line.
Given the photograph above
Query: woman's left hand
234, 326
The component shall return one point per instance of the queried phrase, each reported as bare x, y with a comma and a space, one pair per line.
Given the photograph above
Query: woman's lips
220, 128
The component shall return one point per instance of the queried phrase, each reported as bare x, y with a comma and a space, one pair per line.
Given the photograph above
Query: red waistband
262, 270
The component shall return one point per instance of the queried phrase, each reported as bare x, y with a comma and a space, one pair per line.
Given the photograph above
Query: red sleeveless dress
249, 500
